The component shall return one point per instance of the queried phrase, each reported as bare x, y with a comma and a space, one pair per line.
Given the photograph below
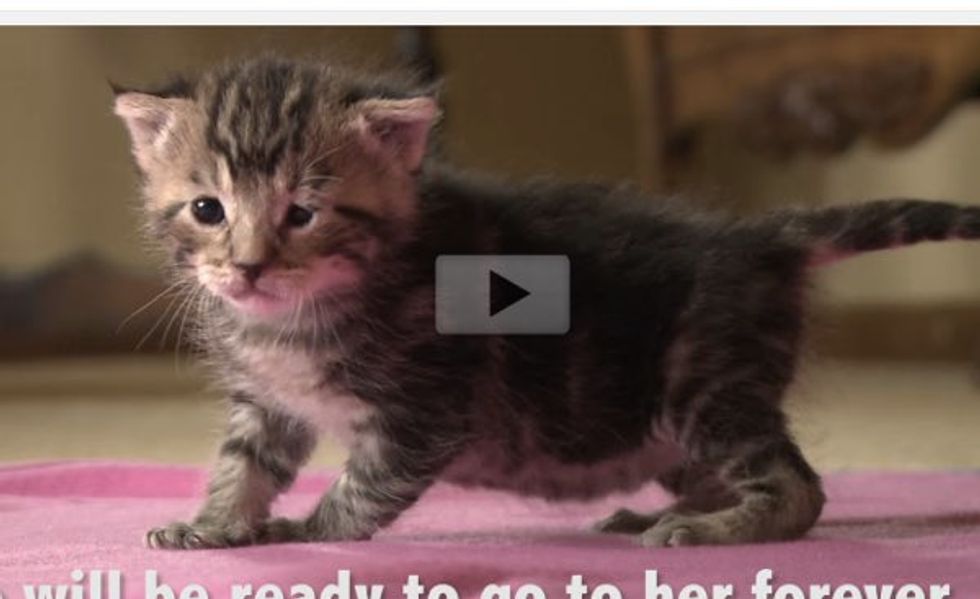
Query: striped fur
832, 234
685, 333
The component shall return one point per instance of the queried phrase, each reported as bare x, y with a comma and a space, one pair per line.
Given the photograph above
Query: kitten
300, 202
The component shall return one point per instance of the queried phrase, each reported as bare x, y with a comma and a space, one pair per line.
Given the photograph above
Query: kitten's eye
297, 216
208, 210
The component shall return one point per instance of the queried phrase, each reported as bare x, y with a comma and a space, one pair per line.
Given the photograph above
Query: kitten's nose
251, 270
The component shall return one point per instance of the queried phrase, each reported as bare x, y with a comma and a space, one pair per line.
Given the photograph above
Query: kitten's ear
150, 120
398, 129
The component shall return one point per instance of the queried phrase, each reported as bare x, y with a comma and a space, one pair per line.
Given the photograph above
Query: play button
503, 293
492, 294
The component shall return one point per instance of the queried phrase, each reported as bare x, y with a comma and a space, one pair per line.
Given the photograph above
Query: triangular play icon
504, 293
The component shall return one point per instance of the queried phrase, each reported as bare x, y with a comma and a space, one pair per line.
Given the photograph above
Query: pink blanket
878, 529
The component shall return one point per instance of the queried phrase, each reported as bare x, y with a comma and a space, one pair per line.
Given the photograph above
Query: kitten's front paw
180, 535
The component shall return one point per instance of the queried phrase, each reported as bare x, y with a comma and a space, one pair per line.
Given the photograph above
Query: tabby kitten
300, 201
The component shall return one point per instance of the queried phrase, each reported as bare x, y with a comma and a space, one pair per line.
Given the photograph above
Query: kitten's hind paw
678, 530
627, 522
284, 530
180, 535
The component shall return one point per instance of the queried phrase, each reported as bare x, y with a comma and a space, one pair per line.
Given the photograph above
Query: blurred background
741, 119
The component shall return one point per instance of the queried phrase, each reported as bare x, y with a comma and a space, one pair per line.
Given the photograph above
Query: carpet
888, 535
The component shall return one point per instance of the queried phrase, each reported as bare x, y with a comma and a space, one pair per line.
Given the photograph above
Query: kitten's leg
259, 458
775, 494
384, 475
723, 402
746, 480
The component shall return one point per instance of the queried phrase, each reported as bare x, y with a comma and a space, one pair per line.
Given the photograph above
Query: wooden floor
847, 416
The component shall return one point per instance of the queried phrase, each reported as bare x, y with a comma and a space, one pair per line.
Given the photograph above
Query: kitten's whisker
291, 328
332, 329
316, 320
299, 319
171, 288
159, 320
283, 325
314, 178
313, 163
180, 328
176, 314
194, 304
291, 322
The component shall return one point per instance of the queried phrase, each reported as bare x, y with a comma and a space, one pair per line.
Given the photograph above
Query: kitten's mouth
278, 296
257, 302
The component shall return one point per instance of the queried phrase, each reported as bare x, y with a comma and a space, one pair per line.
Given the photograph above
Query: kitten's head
274, 183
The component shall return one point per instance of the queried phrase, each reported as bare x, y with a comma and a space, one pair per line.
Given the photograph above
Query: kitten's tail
839, 232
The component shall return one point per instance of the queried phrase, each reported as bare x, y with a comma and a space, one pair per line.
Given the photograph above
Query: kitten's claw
180, 535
